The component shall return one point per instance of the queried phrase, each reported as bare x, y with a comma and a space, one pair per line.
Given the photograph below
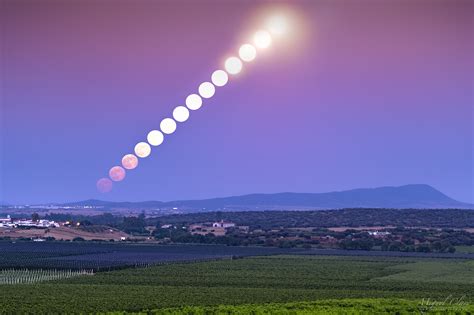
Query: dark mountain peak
407, 196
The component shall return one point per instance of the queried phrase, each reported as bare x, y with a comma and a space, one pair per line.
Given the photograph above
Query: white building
5, 220
378, 233
223, 224
27, 223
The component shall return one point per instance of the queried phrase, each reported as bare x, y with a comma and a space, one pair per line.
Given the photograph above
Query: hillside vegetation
444, 218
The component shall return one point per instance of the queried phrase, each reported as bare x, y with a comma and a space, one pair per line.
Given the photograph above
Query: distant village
27, 223
216, 228
38, 230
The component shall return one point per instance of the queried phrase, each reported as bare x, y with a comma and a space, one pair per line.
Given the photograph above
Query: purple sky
364, 94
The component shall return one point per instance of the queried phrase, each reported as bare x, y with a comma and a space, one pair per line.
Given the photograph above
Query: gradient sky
363, 94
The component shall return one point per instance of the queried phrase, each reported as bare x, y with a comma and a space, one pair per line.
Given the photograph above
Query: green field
465, 249
384, 285
342, 306
460, 272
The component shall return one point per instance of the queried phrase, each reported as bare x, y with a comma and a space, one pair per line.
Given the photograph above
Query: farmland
110, 256
312, 282
343, 306
106, 257
66, 233
26, 276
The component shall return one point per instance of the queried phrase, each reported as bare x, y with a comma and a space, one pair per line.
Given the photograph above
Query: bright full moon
180, 114
277, 25
262, 39
142, 149
168, 126
247, 52
207, 89
233, 65
193, 102
219, 78
155, 138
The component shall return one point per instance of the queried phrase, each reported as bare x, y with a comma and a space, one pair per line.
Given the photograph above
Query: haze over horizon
410, 196
347, 105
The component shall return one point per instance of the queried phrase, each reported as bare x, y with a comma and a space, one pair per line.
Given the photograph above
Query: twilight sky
361, 94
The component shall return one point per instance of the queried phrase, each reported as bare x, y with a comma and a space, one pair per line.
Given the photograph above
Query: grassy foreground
360, 284
344, 306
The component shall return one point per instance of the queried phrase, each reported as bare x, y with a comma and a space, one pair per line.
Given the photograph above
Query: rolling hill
408, 196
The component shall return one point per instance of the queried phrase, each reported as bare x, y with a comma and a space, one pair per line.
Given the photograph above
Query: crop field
312, 282
465, 249
343, 306
461, 272
106, 257
25, 276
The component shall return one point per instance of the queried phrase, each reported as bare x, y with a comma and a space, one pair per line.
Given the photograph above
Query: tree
134, 224
86, 223
35, 217
424, 248
160, 233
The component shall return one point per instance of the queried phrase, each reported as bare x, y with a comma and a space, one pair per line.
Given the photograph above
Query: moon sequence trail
262, 39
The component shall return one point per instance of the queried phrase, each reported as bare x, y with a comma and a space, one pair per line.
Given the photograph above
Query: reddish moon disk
104, 185
117, 173
129, 161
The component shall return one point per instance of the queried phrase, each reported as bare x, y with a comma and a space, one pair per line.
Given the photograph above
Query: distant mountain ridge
407, 196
